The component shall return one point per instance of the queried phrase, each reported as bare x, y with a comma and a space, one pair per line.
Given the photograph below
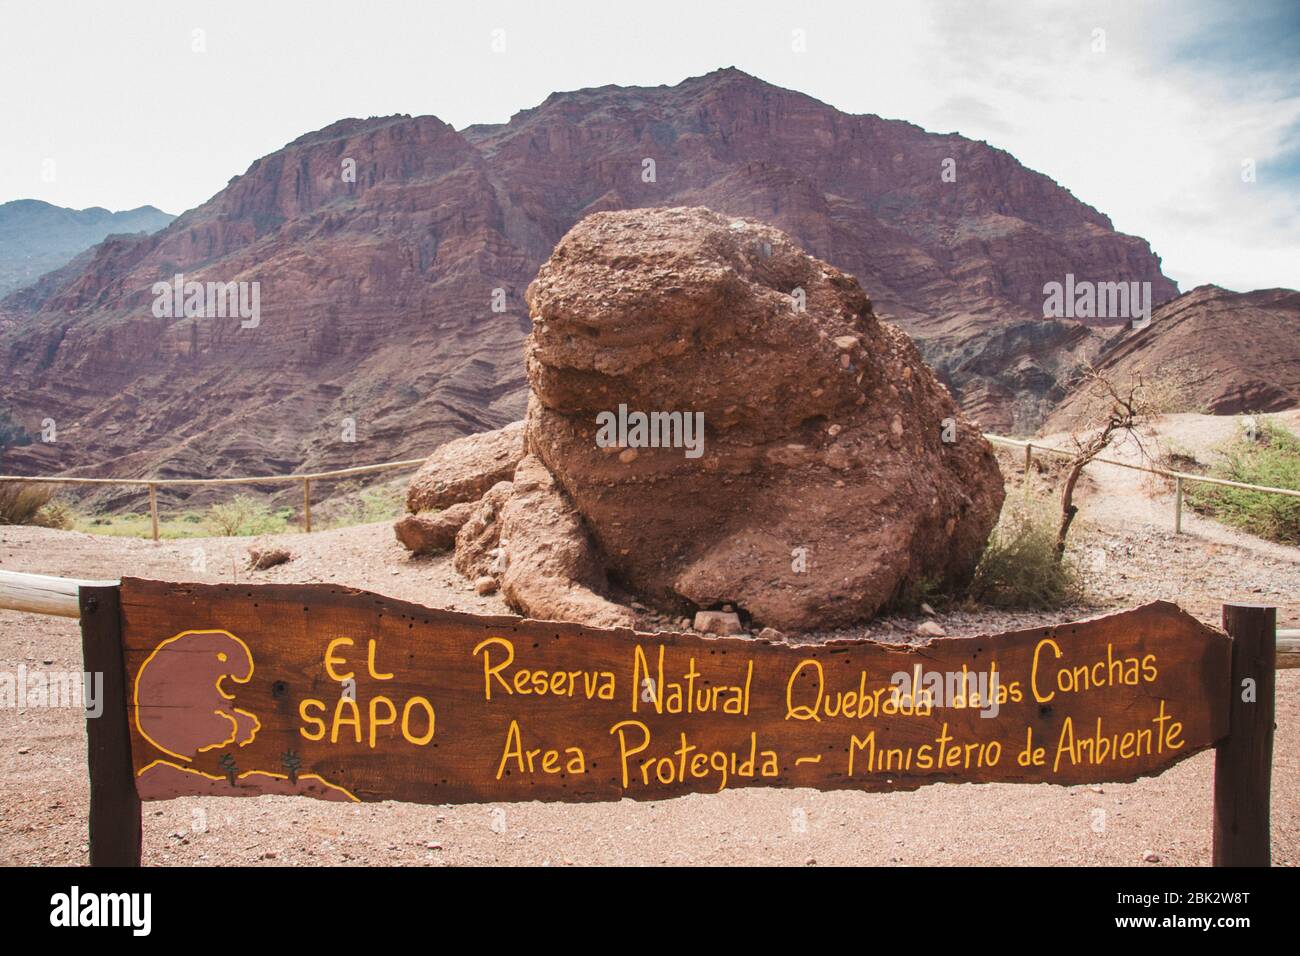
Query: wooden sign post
115, 824
1243, 764
343, 695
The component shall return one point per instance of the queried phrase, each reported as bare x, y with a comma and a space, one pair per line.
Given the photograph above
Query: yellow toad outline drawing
163, 766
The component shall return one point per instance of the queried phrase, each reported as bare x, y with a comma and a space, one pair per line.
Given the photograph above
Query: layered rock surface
834, 473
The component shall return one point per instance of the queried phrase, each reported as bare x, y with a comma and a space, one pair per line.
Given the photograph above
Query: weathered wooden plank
244, 690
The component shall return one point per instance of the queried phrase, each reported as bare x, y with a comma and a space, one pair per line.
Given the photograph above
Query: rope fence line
1178, 476
1028, 445
154, 483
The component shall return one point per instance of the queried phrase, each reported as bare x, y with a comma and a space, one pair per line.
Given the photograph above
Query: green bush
382, 504
1019, 567
1273, 459
243, 515
352, 506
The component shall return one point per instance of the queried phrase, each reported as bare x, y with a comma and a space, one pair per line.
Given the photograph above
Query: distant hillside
1222, 352
391, 256
36, 237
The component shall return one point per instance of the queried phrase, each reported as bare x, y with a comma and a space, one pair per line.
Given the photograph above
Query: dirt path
1122, 497
43, 795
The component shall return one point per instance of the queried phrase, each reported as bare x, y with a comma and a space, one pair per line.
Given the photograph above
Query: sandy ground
1132, 556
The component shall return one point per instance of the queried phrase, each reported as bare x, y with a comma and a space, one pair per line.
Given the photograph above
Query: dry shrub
55, 514
262, 558
1020, 567
32, 504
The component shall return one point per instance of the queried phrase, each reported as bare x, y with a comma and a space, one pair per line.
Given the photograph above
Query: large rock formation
832, 470
381, 292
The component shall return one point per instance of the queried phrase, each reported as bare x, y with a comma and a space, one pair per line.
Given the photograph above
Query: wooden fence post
1243, 762
115, 826
306, 504
153, 509
1178, 506
1029, 460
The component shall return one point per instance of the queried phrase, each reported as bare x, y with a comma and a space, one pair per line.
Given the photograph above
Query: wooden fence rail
43, 594
256, 480
153, 484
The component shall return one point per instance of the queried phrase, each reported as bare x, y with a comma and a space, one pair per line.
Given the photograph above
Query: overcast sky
110, 104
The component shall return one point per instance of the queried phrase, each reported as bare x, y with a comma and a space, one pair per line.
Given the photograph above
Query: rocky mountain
1210, 351
36, 237
390, 256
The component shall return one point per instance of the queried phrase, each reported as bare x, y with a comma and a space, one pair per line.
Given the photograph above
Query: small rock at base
930, 629
717, 622
486, 585
927, 610
770, 634
1150, 856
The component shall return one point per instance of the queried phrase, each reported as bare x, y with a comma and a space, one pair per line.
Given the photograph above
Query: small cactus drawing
292, 763
228, 767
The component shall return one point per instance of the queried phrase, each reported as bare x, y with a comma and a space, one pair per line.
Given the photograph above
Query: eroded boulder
834, 473
432, 531
463, 469
550, 567
479, 539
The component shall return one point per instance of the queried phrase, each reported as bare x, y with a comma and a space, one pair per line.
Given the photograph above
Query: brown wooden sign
344, 695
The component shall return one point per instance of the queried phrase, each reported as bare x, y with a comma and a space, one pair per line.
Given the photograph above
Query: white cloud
1154, 141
